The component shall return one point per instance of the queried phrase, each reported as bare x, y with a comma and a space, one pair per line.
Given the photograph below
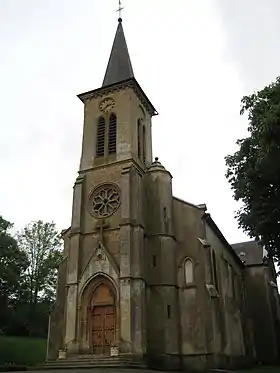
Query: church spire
119, 67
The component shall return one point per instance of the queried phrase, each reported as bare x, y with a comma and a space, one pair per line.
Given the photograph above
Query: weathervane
120, 10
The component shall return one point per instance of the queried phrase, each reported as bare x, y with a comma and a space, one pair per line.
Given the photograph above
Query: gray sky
195, 59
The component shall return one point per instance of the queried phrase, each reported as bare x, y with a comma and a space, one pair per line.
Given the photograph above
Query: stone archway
99, 319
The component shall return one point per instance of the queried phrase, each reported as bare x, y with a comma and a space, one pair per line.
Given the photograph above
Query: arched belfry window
100, 138
106, 137
112, 135
189, 271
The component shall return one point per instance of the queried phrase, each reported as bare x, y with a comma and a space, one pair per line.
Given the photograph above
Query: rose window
105, 200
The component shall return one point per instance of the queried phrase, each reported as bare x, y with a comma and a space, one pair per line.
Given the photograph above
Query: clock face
107, 105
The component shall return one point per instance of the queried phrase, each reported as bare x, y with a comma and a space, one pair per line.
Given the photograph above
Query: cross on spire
120, 10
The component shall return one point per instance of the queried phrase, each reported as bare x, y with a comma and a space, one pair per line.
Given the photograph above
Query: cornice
130, 162
129, 83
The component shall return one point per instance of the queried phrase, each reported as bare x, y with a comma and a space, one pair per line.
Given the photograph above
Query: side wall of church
274, 299
263, 302
195, 318
228, 307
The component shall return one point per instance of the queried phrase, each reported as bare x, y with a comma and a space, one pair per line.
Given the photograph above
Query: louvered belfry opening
100, 143
112, 136
106, 140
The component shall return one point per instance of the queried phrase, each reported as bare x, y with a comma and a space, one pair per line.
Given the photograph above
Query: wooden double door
102, 329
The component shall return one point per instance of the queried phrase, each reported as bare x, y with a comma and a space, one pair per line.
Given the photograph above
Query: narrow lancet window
100, 139
168, 311
189, 275
215, 274
139, 138
112, 136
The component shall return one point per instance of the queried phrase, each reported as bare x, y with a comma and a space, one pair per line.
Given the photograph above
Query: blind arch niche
188, 271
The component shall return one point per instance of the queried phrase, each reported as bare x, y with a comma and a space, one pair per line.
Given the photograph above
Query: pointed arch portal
101, 315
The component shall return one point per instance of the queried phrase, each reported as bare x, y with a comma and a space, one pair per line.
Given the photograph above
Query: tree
254, 169
13, 263
42, 244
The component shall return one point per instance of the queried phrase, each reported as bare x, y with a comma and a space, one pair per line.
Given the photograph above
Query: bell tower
117, 116
104, 246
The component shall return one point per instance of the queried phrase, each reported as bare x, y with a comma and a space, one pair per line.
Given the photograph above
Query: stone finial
157, 164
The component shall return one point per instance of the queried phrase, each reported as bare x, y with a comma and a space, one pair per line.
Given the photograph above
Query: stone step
89, 366
93, 361
89, 362
103, 358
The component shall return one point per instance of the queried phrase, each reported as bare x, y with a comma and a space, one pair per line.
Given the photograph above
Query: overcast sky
195, 59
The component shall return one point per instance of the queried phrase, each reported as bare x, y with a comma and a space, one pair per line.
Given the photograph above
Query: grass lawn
22, 351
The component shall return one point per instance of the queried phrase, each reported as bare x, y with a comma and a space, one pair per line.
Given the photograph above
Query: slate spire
119, 67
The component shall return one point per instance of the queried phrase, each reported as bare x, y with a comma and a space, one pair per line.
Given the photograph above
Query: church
148, 279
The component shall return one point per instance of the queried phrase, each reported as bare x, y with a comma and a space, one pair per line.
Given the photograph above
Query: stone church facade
146, 274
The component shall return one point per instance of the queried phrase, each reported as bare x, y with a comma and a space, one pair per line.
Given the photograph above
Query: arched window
189, 271
112, 135
139, 138
100, 138
144, 144
215, 274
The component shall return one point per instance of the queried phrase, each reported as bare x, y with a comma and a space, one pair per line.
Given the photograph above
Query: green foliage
13, 263
254, 169
42, 244
22, 351
28, 270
